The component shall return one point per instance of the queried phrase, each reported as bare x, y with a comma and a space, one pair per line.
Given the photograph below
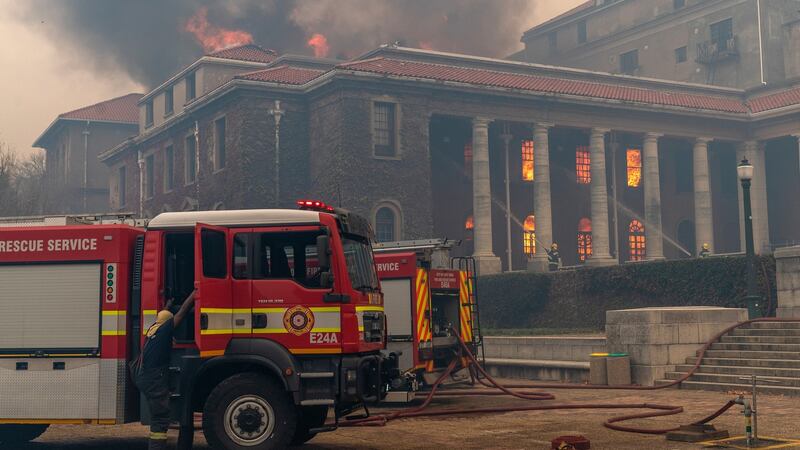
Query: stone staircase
764, 349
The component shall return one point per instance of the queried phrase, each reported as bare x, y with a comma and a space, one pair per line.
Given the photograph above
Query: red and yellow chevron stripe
465, 297
423, 306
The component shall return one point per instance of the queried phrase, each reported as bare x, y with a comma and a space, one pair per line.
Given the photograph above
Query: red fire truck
429, 300
288, 322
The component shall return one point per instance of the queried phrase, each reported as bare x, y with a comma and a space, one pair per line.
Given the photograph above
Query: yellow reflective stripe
369, 308
325, 308
150, 311
226, 331
307, 351
326, 330
210, 353
114, 333
114, 313
269, 310
361, 328
158, 436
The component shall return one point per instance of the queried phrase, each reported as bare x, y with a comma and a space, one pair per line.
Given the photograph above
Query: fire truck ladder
467, 264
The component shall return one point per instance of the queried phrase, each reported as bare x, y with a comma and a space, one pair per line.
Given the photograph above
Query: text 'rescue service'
52, 245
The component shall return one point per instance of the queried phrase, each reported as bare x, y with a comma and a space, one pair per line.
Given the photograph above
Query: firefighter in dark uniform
705, 251
553, 257
153, 380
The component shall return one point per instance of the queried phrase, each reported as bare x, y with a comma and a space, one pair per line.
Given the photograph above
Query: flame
212, 37
320, 45
527, 160
529, 236
425, 45
469, 225
634, 159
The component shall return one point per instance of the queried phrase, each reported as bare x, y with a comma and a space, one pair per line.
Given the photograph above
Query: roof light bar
314, 205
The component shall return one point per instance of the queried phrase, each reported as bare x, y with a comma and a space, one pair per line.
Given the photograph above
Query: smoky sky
146, 38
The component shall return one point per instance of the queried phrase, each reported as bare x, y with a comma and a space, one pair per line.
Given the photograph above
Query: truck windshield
360, 265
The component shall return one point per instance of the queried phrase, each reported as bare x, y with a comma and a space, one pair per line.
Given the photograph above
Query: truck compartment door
213, 304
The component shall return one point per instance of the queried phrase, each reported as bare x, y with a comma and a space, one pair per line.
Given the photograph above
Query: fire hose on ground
492, 387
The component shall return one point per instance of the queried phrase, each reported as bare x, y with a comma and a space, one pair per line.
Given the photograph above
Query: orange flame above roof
212, 37
320, 45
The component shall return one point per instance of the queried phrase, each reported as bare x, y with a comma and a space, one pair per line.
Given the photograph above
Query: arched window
385, 224
469, 224
636, 240
527, 160
583, 166
584, 239
529, 236
634, 164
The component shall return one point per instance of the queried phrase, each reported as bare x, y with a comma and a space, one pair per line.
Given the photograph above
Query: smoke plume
151, 39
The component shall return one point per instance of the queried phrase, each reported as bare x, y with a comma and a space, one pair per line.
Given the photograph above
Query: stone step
742, 370
734, 379
761, 339
750, 354
756, 347
765, 332
771, 325
752, 362
725, 387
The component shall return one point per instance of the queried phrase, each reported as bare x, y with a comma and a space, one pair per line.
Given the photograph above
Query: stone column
601, 254
541, 197
653, 235
487, 262
787, 262
754, 152
703, 211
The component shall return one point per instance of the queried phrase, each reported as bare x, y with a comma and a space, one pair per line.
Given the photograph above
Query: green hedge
580, 298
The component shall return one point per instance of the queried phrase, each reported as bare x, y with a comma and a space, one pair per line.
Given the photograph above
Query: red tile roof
283, 74
121, 109
547, 85
247, 52
788, 97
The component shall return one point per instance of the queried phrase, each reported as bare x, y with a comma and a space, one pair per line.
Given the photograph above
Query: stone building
736, 43
613, 168
77, 181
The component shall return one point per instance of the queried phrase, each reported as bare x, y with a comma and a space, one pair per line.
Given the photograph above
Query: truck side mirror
323, 252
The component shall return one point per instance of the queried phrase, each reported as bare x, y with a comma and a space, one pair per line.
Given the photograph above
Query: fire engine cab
288, 322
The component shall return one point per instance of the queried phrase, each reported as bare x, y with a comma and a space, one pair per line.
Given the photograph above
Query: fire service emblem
298, 320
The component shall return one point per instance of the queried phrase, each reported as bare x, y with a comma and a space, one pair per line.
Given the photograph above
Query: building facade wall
656, 30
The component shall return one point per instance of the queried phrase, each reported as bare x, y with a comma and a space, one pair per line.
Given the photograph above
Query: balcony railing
709, 52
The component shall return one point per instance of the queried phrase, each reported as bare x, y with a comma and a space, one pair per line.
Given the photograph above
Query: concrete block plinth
787, 272
488, 265
658, 339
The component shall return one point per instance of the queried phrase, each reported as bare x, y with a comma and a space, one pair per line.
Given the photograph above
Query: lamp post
745, 172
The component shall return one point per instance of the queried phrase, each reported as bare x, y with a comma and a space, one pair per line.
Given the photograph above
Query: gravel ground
523, 430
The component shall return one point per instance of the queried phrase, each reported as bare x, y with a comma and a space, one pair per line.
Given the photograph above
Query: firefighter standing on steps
553, 258
153, 380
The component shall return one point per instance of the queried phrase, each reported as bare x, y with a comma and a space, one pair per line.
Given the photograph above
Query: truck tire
307, 418
249, 411
14, 435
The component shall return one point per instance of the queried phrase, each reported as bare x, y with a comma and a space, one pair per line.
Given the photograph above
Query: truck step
318, 402
316, 375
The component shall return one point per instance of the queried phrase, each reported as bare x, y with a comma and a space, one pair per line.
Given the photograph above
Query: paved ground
516, 430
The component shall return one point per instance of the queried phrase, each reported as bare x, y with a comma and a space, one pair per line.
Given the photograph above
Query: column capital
703, 140
600, 131
542, 125
652, 136
481, 121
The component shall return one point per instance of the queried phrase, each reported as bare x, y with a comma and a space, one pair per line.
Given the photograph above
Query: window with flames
583, 166
636, 240
468, 158
634, 162
584, 239
529, 236
527, 160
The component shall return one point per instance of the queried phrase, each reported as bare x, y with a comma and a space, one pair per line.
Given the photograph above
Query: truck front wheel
13, 435
249, 411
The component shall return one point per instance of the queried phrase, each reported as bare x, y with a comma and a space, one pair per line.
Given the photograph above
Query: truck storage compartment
53, 308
